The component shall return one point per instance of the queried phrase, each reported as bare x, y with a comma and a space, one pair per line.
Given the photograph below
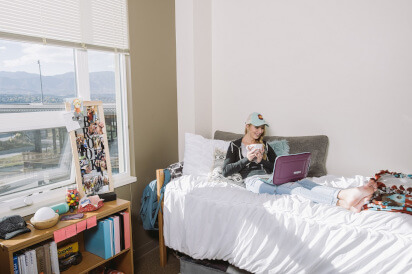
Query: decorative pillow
217, 170
199, 154
176, 170
281, 147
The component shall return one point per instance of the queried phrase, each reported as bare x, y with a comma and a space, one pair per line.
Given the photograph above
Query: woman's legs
310, 190
255, 185
351, 198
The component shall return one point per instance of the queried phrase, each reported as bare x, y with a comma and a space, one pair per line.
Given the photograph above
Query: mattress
264, 233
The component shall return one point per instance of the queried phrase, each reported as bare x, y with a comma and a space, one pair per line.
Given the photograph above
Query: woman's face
255, 132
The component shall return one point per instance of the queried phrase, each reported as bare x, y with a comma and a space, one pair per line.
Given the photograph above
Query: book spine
121, 230
26, 263
41, 264
111, 229
54, 258
116, 234
27, 257
126, 222
47, 264
15, 264
33, 260
21, 263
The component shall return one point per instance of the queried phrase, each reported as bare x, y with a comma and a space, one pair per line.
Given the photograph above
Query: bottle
61, 208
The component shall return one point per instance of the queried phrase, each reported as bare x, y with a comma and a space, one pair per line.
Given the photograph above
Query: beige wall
153, 101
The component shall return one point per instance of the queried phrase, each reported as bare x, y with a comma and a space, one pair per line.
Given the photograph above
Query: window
51, 51
35, 74
105, 86
35, 81
33, 159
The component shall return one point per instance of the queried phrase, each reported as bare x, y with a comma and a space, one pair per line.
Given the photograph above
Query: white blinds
94, 23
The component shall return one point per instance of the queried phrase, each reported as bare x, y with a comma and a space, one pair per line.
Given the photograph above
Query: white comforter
265, 233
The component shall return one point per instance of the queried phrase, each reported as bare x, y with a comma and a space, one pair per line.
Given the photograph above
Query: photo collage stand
90, 148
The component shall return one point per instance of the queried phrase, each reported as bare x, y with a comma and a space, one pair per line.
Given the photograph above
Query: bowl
46, 223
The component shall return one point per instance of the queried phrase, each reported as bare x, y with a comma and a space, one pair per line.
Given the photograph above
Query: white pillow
199, 154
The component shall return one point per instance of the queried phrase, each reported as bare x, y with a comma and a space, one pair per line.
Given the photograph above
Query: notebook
289, 168
99, 239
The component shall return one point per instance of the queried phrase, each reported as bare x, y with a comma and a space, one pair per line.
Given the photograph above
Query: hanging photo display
90, 148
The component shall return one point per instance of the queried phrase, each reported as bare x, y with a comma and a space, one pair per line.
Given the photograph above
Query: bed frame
160, 177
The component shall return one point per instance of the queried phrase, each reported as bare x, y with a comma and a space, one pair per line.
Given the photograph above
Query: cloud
53, 59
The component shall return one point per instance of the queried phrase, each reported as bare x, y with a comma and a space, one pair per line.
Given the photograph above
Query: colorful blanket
394, 193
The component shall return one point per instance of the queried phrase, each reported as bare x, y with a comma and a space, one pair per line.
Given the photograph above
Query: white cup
252, 147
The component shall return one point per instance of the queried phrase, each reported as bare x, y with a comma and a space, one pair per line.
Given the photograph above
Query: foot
352, 196
358, 207
373, 184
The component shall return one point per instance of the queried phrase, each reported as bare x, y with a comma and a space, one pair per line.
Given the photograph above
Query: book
111, 236
28, 263
41, 264
22, 263
97, 240
47, 262
33, 261
54, 258
116, 233
67, 250
15, 264
121, 230
126, 222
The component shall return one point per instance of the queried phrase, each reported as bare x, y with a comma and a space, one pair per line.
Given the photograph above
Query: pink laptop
290, 168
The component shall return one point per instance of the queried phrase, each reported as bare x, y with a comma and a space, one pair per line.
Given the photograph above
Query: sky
18, 56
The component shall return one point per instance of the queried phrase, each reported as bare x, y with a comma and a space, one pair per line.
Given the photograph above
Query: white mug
252, 147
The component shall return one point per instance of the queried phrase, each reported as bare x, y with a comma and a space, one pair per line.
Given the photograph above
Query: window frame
38, 120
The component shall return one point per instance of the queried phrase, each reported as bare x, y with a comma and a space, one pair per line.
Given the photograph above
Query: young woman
243, 157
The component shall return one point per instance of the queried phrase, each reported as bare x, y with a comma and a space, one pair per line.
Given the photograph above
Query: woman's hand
259, 155
251, 154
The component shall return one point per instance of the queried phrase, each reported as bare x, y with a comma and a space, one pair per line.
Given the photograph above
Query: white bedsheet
265, 233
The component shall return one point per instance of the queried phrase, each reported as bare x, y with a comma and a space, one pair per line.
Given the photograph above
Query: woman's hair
260, 140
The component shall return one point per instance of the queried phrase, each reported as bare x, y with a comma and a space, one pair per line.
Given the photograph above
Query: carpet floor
150, 263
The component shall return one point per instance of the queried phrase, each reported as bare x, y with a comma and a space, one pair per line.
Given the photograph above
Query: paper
71, 230
60, 235
81, 226
91, 222
69, 123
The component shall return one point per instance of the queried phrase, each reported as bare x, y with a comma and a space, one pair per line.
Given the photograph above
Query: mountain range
24, 83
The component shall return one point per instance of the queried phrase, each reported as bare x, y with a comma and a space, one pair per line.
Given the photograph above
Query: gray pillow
317, 145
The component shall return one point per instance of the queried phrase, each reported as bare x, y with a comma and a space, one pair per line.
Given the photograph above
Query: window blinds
87, 23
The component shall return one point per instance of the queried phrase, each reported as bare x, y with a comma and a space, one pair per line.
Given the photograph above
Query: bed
209, 218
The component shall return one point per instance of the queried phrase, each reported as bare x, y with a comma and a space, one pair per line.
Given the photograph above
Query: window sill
56, 197
123, 179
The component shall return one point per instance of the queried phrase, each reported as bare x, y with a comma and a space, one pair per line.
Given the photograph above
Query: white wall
193, 68
339, 68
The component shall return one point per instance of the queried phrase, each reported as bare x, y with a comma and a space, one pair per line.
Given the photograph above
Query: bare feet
352, 197
358, 207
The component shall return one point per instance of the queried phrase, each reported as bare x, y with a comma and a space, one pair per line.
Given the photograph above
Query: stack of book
39, 259
109, 237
